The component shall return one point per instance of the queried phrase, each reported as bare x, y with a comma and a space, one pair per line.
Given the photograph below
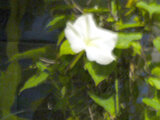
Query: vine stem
117, 96
77, 6
90, 112
75, 60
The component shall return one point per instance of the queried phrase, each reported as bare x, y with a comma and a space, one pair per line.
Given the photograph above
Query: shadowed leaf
107, 103
99, 72
35, 80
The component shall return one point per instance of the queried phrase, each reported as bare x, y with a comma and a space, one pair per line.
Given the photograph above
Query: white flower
97, 42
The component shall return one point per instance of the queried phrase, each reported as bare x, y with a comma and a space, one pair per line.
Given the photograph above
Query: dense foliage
76, 88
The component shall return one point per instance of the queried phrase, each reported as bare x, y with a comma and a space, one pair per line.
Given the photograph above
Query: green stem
76, 60
155, 94
117, 96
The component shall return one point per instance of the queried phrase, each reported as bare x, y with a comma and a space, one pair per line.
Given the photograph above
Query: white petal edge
104, 38
101, 56
74, 38
85, 25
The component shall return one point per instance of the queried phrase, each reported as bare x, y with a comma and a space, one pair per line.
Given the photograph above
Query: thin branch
110, 8
77, 6
89, 1
90, 113
68, 3
48, 61
109, 5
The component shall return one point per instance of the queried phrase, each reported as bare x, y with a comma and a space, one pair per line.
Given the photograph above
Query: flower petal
99, 55
85, 24
74, 38
101, 46
105, 38
98, 43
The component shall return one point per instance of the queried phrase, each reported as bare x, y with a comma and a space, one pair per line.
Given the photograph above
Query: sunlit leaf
95, 10
156, 43
130, 3
136, 48
125, 39
107, 103
41, 66
110, 19
150, 8
99, 72
146, 115
156, 71
155, 82
114, 8
152, 103
129, 25
65, 49
35, 80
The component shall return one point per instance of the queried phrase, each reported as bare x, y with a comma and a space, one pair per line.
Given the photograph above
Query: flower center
88, 42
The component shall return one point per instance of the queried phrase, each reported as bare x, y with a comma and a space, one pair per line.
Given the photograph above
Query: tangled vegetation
73, 87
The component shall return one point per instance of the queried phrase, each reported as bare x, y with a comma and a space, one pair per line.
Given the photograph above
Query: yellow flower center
89, 42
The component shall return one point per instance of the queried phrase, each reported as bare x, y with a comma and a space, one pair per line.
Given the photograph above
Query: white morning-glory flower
97, 42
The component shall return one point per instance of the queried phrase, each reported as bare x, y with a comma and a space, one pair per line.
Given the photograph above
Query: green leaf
29, 54
146, 116
114, 8
99, 72
128, 25
9, 82
152, 103
156, 43
35, 80
95, 10
136, 48
11, 116
110, 19
125, 39
41, 66
150, 8
60, 37
155, 82
56, 20
108, 104
156, 71
130, 3
65, 49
